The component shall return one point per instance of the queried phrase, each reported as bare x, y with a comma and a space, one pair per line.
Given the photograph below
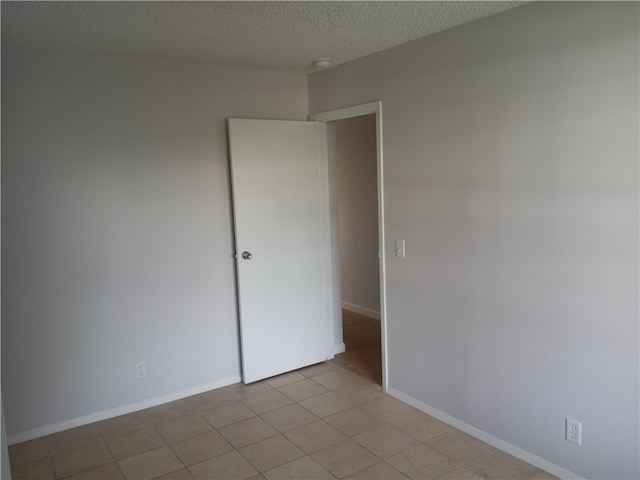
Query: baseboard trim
361, 310
116, 412
496, 442
339, 348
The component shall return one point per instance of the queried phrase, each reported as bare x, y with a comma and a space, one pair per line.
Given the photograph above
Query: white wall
358, 213
511, 170
117, 238
5, 467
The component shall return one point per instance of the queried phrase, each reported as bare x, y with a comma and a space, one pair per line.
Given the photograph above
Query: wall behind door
116, 228
358, 213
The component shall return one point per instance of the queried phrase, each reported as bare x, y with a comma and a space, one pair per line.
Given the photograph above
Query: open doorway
355, 177
357, 208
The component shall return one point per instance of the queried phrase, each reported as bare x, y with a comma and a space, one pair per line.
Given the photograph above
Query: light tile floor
321, 422
363, 353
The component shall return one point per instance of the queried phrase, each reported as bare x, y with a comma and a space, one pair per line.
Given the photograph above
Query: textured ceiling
282, 36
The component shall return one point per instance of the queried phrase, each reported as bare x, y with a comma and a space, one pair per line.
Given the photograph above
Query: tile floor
363, 353
320, 422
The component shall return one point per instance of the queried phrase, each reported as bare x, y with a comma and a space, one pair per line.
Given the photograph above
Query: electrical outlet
573, 431
141, 370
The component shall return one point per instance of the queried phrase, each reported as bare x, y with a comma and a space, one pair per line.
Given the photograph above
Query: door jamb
339, 114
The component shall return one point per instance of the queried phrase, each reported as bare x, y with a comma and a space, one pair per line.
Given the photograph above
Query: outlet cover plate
141, 370
573, 431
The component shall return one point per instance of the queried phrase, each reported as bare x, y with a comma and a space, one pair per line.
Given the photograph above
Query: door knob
247, 255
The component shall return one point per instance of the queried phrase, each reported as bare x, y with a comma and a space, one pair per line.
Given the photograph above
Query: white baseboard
339, 348
116, 412
361, 310
496, 442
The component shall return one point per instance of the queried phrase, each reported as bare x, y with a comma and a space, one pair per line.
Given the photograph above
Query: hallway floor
320, 422
363, 353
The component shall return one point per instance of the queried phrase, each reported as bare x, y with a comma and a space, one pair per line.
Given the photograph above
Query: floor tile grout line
178, 457
113, 457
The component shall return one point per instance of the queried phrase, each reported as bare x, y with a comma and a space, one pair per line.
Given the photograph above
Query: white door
275, 173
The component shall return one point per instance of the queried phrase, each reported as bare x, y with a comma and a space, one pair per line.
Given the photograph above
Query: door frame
324, 118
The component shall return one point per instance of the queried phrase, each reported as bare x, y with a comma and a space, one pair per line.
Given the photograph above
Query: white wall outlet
400, 249
141, 370
573, 431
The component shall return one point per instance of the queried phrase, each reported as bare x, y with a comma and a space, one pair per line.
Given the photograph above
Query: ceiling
284, 36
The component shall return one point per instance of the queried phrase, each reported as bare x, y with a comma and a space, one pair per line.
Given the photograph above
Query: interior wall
5, 467
511, 170
358, 213
117, 234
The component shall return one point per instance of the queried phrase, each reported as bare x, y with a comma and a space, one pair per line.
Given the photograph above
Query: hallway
362, 339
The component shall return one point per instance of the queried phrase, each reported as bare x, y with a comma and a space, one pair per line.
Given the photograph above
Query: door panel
278, 219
